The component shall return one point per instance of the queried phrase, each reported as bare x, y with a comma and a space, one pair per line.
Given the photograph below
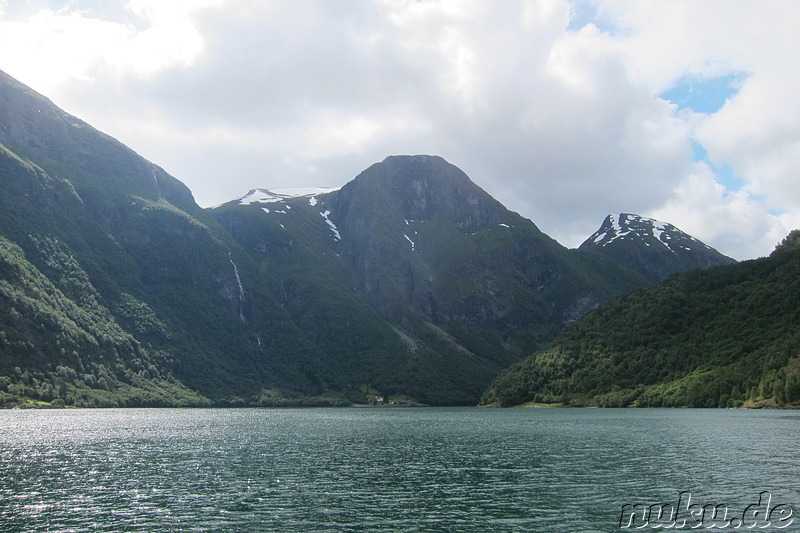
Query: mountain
455, 286
409, 282
722, 337
115, 288
654, 249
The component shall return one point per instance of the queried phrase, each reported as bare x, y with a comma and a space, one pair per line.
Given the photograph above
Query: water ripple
315, 470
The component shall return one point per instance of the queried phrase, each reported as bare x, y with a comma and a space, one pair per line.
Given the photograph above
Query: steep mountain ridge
406, 217
115, 252
37, 130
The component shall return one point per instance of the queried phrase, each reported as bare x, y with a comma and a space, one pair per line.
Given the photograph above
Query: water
313, 470
241, 289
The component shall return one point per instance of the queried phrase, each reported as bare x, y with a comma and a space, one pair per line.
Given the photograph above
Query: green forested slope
42, 325
722, 337
117, 289
141, 311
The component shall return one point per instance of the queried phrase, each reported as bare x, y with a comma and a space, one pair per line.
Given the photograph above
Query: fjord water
313, 470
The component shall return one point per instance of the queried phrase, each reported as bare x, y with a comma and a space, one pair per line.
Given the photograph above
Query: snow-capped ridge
269, 196
626, 225
651, 248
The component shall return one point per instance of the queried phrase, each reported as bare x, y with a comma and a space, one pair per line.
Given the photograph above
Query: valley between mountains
409, 285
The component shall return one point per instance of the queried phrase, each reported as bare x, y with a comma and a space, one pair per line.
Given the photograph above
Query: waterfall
241, 289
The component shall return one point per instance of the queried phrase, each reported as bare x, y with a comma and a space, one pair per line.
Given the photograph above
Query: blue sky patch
585, 12
724, 173
704, 95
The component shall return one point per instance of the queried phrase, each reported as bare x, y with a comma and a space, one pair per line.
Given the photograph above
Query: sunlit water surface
311, 470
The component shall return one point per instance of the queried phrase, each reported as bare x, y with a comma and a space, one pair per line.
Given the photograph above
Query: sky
566, 111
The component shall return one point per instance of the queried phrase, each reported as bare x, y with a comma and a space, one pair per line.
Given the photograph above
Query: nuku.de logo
687, 515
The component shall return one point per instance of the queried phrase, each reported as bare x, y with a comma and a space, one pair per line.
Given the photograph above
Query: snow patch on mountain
336, 235
617, 231
269, 196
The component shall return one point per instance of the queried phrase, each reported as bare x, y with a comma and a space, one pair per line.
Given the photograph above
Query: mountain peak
650, 247
648, 230
418, 158
425, 187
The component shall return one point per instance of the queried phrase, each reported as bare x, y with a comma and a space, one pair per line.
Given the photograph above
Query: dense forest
724, 337
103, 364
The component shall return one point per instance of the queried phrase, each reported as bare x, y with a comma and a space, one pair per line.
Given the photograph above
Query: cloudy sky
566, 111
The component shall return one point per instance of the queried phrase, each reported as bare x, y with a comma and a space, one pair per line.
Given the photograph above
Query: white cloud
560, 123
758, 134
708, 211
50, 47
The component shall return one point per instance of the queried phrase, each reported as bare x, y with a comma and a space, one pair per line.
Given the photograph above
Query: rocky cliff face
398, 218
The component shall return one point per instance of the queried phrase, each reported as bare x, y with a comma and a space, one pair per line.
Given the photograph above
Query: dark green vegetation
114, 288
117, 289
724, 337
